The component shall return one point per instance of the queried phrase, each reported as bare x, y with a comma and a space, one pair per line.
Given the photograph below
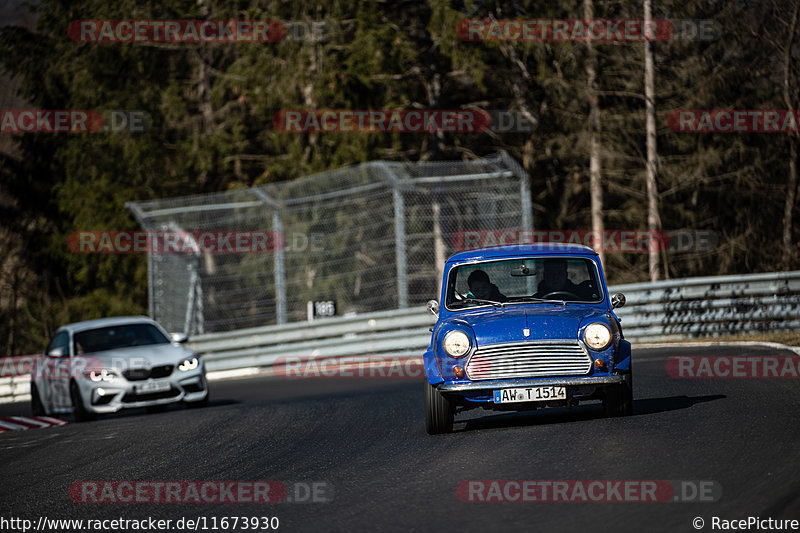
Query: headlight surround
597, 336
188, 364
456, 343
101, 375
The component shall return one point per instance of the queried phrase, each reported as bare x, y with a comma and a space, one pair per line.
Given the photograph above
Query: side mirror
58, 351
433, 307
179, 337
617, 300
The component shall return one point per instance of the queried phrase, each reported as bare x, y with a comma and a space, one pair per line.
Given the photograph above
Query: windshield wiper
482, 301
535, 299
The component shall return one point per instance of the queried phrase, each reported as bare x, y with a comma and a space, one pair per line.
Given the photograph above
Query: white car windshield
121, 336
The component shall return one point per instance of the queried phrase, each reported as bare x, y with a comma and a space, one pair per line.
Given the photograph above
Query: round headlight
456, 343
597, 336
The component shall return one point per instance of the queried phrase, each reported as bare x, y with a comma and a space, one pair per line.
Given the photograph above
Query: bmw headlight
597, 336
456, 343
100, 375
188, 364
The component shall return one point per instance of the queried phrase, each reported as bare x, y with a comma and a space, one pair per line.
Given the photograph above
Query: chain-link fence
370, 237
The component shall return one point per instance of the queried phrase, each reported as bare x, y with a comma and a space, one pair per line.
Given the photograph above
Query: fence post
151, 300
399, 234
280, 260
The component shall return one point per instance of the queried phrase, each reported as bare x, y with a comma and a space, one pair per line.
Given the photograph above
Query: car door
57, 372
47, 366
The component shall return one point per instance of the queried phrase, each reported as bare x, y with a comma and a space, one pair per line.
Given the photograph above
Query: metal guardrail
711, 306
666, 310
398, 333
15, 389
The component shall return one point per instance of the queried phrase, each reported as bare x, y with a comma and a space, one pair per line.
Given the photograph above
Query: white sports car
102, 366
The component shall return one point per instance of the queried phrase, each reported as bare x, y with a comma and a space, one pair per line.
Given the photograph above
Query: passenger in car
555, 280
480, 286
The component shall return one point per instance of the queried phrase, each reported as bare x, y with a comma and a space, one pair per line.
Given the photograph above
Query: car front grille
139, 374
529, 359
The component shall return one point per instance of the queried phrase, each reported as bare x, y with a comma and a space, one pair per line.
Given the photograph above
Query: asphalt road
365, 440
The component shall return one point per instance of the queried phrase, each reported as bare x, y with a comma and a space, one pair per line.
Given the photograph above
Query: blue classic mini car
522, 327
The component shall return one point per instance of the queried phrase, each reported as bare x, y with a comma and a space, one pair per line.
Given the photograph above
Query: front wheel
37, 407
618, 400
78, 409
439, 411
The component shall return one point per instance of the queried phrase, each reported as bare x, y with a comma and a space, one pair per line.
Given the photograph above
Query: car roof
517, 250
106, 322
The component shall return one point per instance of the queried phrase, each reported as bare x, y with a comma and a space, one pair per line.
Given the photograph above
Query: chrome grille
529, 359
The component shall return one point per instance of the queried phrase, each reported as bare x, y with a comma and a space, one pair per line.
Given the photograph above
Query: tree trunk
595, 186
791, 185
653, 220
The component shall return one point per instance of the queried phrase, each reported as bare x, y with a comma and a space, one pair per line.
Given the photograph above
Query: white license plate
530, 394
152, 386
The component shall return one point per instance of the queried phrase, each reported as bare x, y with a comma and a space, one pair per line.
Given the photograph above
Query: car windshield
121, 336
506, 281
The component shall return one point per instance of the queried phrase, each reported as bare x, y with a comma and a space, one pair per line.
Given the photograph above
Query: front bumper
481, 394
102, 398
501, 384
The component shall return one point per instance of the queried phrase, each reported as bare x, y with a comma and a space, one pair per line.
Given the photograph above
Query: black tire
37, 407
78, 409
439, 411
627, 396
618, 399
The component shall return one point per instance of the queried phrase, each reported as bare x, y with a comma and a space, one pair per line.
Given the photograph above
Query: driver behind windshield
481, 287
556, 281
